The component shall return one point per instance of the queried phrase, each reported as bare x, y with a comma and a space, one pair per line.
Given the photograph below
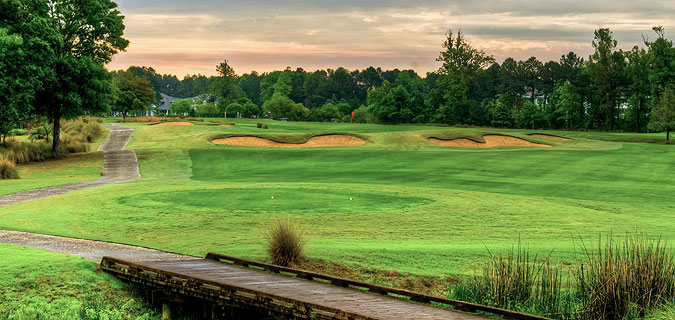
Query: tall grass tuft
7, 169
285, 242
625, 278
518, 281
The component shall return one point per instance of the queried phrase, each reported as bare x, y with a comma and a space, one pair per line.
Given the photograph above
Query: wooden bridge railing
383, 290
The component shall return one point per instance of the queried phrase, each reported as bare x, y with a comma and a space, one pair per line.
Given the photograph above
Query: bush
285, 243
626, 278
7, 169
262, 126
18, 132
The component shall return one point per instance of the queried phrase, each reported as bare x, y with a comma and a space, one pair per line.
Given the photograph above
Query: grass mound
285, 242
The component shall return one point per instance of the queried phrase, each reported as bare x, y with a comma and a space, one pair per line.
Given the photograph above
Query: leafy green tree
501, 113
207, 109
326, 112
280, 107
251, 110
663, 112
660, 62
530, 114
462, 64
530, 71
235, 109
182, 107
132, 93
563, 107
81, 36
20, 75
605, 69
638, 88
250, 84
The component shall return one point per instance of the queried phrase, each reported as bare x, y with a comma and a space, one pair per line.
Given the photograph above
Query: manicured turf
417, 207
37, 284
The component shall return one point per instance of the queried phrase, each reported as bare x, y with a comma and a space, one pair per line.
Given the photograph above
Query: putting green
275, 199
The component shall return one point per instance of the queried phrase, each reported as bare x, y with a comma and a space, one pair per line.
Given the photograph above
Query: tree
19, 79
182, 107
663, 112
132, 93
235, 109
563, 107
81, 36
605, 68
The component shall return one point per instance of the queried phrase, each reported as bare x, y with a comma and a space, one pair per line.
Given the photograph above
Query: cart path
89, 249
119, 165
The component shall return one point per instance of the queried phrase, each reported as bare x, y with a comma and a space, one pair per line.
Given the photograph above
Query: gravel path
119, 165
90, 249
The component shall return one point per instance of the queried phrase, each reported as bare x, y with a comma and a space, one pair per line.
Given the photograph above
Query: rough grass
285, 243
157, 119
38, 284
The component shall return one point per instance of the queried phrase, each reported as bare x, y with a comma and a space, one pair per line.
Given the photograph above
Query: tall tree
663, 112
606, 66
462, 63
82, 36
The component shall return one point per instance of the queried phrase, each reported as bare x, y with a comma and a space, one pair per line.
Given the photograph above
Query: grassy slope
70, 169
37, 284
416, 207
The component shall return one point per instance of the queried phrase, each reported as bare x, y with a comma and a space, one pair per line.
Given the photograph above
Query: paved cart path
119, 165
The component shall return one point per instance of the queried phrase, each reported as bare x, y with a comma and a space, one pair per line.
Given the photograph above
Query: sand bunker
491, 140
549, 136
179, 123
333, 140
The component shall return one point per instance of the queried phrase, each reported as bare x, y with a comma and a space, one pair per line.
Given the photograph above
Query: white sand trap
178, 123
549, 136
491, 140
332, 140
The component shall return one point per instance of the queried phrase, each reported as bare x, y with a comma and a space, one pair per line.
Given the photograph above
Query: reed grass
285, 243
626, 278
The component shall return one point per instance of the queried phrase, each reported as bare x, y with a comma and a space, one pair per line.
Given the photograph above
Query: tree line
612, 89
52, 56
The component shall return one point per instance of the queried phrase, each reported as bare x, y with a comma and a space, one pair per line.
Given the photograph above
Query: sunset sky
188, 37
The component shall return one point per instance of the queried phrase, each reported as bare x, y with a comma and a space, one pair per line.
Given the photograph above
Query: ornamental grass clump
625, 278
7, 169
285, 242
518, 281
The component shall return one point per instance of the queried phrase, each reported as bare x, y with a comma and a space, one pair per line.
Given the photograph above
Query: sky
190, 37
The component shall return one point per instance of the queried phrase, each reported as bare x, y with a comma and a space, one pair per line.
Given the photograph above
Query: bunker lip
328, 140
176, 123
491, 140
549, 136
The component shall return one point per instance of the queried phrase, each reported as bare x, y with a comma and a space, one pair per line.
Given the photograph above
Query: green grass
417, 207
37, 284
69, 169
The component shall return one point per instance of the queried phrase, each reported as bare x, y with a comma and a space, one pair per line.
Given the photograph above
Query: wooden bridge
220, 280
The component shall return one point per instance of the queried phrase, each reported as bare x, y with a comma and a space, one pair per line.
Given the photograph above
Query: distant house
165, 104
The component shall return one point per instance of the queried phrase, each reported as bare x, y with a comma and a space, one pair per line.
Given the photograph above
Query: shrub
625, 278
262, 126
7, 169
285, 242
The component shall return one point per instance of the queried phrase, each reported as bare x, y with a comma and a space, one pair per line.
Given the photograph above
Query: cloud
191, 37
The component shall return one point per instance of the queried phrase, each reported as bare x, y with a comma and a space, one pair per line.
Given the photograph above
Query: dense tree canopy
132, 93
